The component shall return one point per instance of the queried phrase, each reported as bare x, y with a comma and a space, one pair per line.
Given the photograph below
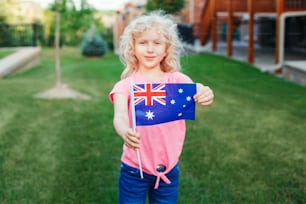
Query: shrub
93, 44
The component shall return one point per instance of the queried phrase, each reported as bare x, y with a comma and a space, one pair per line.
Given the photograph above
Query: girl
150, 49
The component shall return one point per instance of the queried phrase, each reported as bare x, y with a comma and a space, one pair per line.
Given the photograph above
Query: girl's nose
150, 47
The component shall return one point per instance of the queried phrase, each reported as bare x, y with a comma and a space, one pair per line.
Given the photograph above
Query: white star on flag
150, 115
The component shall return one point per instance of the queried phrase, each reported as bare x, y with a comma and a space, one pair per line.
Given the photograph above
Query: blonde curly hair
165, 26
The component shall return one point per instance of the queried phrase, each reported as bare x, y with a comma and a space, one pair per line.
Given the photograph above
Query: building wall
122, 20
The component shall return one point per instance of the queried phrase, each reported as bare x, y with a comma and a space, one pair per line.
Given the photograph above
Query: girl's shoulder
124, 82
121, 87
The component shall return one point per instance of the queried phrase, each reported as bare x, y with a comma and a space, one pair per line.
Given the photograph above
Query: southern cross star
150, 115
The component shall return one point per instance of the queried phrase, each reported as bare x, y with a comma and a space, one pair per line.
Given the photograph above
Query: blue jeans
133, 189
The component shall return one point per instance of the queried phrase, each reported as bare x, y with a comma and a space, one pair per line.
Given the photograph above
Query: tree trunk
57, 47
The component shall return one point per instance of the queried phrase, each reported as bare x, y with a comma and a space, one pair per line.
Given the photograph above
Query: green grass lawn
6, 52
248, 147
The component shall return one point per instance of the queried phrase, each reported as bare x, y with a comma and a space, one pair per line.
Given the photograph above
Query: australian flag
161, 103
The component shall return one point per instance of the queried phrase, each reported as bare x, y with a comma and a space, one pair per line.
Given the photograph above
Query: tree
2, 11
75, 21
169, 6
60, 90
93, 44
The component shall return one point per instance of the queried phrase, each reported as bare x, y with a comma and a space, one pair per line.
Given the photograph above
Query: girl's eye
157, 43
142, 42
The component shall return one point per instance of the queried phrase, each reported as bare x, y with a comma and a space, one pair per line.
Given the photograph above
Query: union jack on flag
161, 103
149, 94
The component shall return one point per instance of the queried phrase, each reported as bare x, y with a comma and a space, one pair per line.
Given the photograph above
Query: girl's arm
204, 95
121, 122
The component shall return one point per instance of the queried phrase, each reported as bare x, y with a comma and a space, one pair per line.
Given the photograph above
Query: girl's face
150, 49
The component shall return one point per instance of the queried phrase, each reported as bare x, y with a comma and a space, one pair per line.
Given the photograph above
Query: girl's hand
204, 95
132, 139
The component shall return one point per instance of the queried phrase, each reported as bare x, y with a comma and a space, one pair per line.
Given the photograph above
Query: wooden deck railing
294, 5
261, 5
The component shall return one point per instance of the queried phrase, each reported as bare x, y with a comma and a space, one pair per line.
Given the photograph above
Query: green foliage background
169, 6
74, 22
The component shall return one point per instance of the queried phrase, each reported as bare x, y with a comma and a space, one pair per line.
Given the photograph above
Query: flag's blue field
160, 103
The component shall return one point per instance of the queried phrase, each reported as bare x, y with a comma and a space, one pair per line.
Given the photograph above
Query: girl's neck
154, 75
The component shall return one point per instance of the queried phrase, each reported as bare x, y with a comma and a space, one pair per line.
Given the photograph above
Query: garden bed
22, 59
295, 71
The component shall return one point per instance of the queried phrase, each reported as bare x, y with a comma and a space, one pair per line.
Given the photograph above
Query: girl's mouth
149, 57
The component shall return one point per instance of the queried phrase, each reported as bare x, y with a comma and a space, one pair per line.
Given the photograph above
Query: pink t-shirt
161, 143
